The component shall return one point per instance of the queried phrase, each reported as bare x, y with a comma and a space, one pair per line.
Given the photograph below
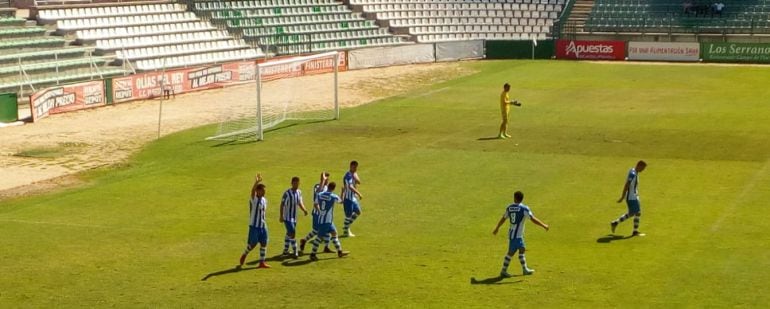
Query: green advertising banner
736, 52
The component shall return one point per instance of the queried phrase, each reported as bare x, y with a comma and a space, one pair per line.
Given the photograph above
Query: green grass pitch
146, 234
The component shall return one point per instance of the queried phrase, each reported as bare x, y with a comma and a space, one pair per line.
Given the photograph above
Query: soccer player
320, 187
505, 109
631, 195
351, 195
517, 213
291, 199
326, 229
257, 223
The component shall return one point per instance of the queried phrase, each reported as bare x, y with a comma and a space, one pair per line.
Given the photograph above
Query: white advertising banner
663, 51
388, 56
459, 50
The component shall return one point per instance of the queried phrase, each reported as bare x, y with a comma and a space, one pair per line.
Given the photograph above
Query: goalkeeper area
166, 228
270, 110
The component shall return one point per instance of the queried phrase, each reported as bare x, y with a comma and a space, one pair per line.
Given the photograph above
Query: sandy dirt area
45, 155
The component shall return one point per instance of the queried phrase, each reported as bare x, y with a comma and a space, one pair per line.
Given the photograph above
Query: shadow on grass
493, 280
610, 238
277, 258
488, 138
233, 270
251, 137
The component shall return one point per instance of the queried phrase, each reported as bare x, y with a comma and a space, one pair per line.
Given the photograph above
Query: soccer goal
297, 89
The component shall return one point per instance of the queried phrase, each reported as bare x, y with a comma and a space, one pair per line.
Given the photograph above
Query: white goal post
286, 97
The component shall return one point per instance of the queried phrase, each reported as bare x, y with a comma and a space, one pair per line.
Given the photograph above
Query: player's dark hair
330, 187
326, 174
641, 163
507, 85
354, 163
261, 187
518, 196
295, 178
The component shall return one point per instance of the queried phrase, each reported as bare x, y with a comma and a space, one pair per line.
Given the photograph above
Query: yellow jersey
505, 103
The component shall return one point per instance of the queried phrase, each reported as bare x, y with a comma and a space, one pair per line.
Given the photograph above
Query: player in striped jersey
631, 196
351, 195
517, 213
318, 188
326, 229
291, 199
257, 223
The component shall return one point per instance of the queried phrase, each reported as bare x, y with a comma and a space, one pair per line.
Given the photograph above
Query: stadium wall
519, 49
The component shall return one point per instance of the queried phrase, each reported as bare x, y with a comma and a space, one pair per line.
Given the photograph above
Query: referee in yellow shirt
505, 109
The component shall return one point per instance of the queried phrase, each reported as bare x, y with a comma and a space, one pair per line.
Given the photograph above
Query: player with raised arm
291, 199
631, 196
517, 213
326, 229
505, 110
351, 195
257, 223
317, 189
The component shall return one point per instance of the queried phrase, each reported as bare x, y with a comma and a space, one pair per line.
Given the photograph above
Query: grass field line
739, 199
427, 93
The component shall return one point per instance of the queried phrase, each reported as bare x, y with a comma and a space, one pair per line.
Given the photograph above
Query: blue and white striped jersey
289, 202
633, 185
517, 214
326, 202
257, 207
349, 181
315, 199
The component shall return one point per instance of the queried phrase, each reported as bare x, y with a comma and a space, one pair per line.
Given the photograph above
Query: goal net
287, 90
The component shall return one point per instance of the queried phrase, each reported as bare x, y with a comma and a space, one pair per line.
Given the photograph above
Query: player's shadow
235, 269
493, 281
276, 258
610, 238
494, 138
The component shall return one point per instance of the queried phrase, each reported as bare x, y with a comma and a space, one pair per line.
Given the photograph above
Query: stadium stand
450, 20
148, 35
30, 58
297, 26
737, 17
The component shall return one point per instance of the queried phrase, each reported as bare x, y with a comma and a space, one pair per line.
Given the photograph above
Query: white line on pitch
430, 92
746, 189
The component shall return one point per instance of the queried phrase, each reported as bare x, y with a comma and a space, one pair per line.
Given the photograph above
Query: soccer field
435, 182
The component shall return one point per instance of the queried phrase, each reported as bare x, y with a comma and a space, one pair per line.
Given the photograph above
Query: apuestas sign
590, 50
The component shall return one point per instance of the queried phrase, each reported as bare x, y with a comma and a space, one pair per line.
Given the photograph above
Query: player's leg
507, 260
286, 238
355, 212
263, 248
338, 245
523, 260
323, 234
251, 243
637, 219
624, 217
293, 239
635, 210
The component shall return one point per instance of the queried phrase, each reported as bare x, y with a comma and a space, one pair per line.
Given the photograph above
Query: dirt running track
45, 155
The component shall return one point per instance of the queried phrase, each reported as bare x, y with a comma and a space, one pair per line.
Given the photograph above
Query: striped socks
621, 219
310, 235
337, 243
349, 221
293, 243
523, 261
248, 249
286, 241
506, 262
316, 243
637, 218
262, 253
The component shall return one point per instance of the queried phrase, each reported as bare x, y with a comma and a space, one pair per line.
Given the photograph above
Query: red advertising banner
590, 50
61, 99
150, 85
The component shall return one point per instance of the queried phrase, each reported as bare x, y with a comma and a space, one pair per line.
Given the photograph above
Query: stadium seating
297, 26
744, 16
450, 20
31, 59
157, 34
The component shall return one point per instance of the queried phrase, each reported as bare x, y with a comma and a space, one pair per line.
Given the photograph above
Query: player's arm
538, 222
348, 187
257, 181
283, 202
499, 223
302, 206
625, 191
